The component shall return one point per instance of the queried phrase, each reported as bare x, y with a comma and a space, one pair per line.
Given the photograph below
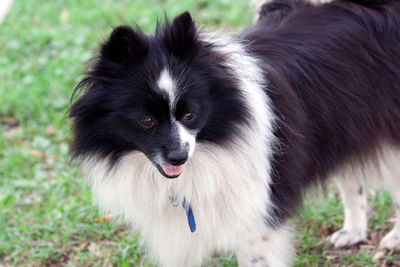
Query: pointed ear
180, 37
125, 46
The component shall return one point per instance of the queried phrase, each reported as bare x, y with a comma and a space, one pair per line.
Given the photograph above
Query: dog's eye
146, 122
188, 116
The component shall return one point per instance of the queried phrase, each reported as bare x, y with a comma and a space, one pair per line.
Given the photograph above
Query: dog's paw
391, 240
347, 238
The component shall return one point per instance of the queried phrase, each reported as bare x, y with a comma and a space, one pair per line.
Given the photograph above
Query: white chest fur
228, 192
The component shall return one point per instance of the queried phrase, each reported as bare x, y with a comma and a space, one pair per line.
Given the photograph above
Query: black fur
334, 73
271, 14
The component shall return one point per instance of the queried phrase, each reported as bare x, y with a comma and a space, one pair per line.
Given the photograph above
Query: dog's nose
177, 157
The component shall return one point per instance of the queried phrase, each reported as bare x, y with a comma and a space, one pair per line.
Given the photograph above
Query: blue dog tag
190, 216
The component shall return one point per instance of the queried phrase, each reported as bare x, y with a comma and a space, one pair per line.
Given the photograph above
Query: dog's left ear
180, 37
125, 46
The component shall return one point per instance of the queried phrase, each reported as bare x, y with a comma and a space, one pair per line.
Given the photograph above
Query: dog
207, 141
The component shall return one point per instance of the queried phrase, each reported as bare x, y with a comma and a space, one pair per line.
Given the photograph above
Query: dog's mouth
170, 172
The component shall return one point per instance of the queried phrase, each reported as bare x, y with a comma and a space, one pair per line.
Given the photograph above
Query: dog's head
158, 94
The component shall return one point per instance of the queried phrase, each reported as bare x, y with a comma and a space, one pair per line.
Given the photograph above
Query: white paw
347, 238
391, 240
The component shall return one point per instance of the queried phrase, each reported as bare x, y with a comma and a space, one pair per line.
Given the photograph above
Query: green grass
46, 213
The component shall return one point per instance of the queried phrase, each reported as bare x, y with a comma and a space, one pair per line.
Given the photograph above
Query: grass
46, 213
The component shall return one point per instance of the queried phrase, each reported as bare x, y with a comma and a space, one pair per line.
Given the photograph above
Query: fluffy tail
274, 12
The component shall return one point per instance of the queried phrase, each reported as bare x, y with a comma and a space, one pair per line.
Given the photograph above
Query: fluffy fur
241, 125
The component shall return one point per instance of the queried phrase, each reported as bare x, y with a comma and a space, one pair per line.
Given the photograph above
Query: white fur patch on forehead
167, 84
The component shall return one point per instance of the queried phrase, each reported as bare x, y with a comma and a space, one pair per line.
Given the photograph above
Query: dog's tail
274, 12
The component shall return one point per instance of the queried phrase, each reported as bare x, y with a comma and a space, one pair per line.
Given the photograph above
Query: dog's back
337, 67
334, 73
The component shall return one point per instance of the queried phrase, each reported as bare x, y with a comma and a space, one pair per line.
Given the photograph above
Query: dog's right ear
125, 46
180, 37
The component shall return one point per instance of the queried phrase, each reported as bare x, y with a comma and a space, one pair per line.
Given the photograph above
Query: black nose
177, 157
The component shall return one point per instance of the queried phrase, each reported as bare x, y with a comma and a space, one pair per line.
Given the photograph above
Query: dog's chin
170, 172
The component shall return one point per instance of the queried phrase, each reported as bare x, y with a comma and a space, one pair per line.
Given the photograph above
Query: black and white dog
206, 141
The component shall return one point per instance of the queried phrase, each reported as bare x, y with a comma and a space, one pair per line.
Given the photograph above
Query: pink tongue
172, 171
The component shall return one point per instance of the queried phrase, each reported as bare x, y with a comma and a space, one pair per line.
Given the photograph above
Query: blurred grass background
47, 217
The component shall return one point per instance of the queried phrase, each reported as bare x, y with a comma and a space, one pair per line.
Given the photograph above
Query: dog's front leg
273, 248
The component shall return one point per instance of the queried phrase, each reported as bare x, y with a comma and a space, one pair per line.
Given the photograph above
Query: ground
46, 213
